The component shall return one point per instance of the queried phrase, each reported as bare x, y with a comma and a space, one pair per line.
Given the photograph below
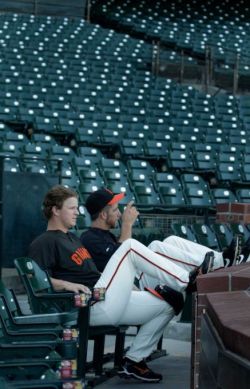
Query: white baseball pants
184, 253
167, 262
124, 306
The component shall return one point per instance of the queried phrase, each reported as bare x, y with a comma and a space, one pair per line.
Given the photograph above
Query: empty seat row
215, 235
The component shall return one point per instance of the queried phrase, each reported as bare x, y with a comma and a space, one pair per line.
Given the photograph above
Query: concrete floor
175, 367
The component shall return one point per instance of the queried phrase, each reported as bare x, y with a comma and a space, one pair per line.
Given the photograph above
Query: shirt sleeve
44, 254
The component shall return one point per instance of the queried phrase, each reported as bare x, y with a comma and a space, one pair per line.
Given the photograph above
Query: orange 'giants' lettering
80, 255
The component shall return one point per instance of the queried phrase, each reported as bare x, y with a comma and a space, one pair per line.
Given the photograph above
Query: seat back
33, 276
206, 236
10, 299
40, 290
184, 231
224, 234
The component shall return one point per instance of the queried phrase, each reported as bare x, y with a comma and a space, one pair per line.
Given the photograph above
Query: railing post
210, 65
35, 7
153, 58
206, 68
1, 213
88, 10
182, 67
236, 74
157, 58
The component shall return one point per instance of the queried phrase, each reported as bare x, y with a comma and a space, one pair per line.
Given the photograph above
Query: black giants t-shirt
64, 257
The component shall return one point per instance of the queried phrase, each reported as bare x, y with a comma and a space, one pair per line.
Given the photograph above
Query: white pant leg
172, 250
184, 252
132, 255
153, 321
124, 306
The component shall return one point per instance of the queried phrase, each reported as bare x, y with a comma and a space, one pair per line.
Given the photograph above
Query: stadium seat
196, 190
140, 173
110, 136
180, 160
83, 220
90, 155
85, 188
131, 148
183, 230
205, 236
145, 196
243, 195
12, 165
224, 234
240, 229
155, 149
141, 166
10, 149
172, 196
228, 168
223, 195
167, 179
43, 299
85, 135
245, 167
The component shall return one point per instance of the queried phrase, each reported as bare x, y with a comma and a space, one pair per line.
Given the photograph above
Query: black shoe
172, 297
207, 264
138, 370
244, 254
233, 251
204, 268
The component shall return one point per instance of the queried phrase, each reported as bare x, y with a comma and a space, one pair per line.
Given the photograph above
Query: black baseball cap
100, 198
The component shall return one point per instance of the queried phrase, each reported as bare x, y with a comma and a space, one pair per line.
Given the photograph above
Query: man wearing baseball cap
102, 206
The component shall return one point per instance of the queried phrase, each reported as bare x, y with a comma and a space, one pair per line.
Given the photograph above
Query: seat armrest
50, 318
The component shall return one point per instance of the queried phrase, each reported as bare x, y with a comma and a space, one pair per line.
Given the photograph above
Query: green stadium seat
228, 168
196, 190
145, 196
240, 229
224, 234
156, 149
223, 195
131, 148
206, 236
12, 165
243, 195
183, 230
180, 160
204, 161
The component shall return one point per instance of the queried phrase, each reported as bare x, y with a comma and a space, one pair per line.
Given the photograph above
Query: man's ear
103, 215
55, 210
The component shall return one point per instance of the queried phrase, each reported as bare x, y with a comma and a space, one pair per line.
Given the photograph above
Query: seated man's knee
154, 244
170, 239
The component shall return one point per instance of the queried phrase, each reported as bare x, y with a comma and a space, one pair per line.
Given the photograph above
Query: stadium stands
89, 96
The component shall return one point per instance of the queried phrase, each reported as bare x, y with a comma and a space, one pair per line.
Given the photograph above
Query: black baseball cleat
233, 251
204, 268
244, 255
172, 297
138, 370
